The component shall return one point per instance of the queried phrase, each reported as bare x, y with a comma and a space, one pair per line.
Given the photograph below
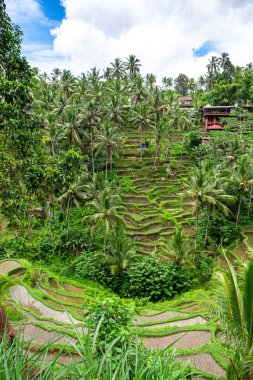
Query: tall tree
106, 213
108, 141
232, 303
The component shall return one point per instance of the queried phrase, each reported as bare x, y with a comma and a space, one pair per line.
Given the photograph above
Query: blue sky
168, 37
38, 31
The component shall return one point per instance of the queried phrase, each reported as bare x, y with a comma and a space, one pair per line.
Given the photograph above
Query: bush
156, 281
192, 140
114, 318
220, 230
89, 267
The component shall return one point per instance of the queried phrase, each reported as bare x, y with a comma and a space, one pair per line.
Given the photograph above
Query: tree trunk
239, 211
92, 151
52, 148
250, 196
51, 231
207, 225
196, 226
156, 154
5, 327
111, 161
106, 170
141, 141
105, 242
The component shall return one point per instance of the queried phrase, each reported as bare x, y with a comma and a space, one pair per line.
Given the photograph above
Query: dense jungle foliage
61, 197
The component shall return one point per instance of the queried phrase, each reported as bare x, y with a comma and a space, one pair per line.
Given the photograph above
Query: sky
168, 36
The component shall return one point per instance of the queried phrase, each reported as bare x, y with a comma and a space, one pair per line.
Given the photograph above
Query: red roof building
185, 102
214, 127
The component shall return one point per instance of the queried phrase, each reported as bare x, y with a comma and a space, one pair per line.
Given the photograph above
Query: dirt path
8, 266
187, 339
204, 362
179, 323
23, 297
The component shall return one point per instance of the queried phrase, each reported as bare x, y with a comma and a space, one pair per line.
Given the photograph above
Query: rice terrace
126, 213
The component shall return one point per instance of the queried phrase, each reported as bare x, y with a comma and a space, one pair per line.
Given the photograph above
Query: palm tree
90, 118
118, 69
242, 177
141, 119
94, 74
167, 82
177, 249
233, 305
213, 65
180, 120
108, 141
204, 190
72, 124
150, 80
139, 91
53, 132
122, 255
94, 187
73, 196
106, 213
67, 83
116, 112
162, 135
132, 65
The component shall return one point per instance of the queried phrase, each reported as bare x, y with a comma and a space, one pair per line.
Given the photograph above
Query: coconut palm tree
116, 111
67, 83
122, 255
73, 196
178, 249
203, 188
94, 187
106, 213
232, 303
141, 119
108, 140
118, 69
132, 65
72, 124
53, 132
162, 136
242, 177
213, 65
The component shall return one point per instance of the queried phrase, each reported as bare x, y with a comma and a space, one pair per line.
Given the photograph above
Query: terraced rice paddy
154, 205
157, 200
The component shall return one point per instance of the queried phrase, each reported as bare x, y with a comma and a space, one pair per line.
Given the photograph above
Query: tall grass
130, 362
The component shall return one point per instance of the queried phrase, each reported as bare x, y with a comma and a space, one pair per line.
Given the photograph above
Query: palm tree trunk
156, 154
92, 151
111, 161
196, 228
207, 225
250, 196
52, 148
239, 211
105, 242
51, 230
106, 170
141, 140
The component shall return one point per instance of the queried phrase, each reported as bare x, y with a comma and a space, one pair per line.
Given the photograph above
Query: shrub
89, 267
157, 281
192, 140
114, 318
220, 230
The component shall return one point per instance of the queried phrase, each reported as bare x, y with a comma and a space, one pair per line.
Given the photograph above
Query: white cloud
23, 11
162, 33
